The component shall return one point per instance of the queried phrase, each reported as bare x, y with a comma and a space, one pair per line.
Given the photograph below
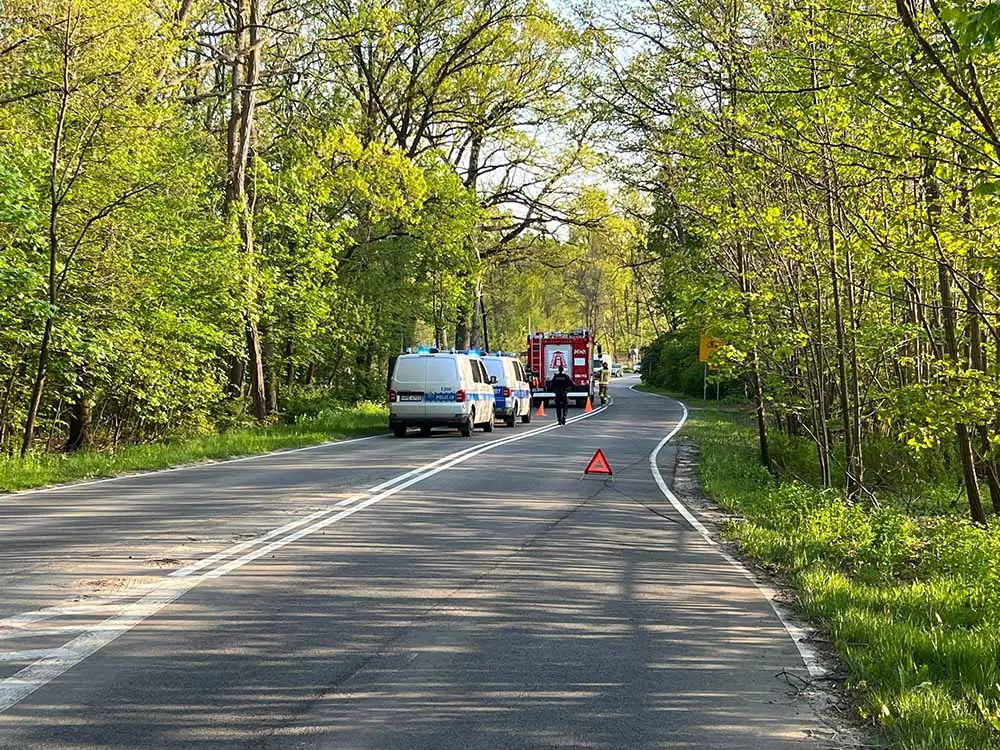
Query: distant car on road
616, 370
598, 364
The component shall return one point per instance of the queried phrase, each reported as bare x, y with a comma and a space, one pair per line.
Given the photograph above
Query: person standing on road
561, 385
605, 380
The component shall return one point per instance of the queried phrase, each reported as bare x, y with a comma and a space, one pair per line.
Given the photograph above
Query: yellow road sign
708, 345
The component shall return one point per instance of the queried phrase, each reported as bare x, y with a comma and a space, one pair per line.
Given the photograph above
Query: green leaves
978, 27
991, 187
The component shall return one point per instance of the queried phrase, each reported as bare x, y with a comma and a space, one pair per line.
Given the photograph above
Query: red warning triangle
598, 464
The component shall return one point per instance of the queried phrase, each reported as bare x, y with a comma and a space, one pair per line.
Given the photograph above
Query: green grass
329, 424
910, 600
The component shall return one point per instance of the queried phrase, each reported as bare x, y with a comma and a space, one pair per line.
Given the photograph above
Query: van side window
476, 376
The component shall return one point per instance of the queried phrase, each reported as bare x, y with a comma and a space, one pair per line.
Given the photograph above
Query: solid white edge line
678, 505
186, 467
800, 637
59, 660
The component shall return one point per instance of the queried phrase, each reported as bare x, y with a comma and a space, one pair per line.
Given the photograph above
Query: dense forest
208, 206
824, 180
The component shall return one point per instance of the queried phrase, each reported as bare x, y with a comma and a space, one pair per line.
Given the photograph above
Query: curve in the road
810, 657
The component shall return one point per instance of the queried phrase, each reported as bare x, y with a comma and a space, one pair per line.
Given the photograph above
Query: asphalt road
389, 593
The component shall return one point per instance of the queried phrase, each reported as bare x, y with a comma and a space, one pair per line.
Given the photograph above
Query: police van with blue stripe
511, 390
430, 389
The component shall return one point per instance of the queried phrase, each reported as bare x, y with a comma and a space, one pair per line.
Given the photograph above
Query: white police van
440, 389
511, 390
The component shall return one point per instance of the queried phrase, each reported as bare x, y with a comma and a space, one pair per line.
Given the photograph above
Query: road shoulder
827, 695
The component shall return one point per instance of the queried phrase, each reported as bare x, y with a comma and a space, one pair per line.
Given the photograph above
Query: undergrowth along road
39, 470
908, 593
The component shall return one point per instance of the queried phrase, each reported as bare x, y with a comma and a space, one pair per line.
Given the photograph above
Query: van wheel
526, 418
425, 431
509, 420
399, 430
488, 425
466, 429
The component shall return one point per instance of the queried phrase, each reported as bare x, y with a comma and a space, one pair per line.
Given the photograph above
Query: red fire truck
572, 351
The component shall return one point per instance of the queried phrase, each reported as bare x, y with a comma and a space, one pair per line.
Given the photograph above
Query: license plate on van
411, 397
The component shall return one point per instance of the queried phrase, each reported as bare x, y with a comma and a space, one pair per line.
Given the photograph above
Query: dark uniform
561, 384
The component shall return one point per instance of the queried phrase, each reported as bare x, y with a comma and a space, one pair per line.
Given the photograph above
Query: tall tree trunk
37, 388
471, 183
486, 326
850, 417
81, 413
475, 331
55, 202
462, 327
856, 466
245, 79
932, 196
963, 434
270, 371
289, 362
822, 429
756, 381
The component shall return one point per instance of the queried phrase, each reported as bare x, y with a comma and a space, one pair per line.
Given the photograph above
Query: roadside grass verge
40, 470
910, 598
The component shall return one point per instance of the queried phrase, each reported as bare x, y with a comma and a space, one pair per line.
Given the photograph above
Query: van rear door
442, 384
410, 380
